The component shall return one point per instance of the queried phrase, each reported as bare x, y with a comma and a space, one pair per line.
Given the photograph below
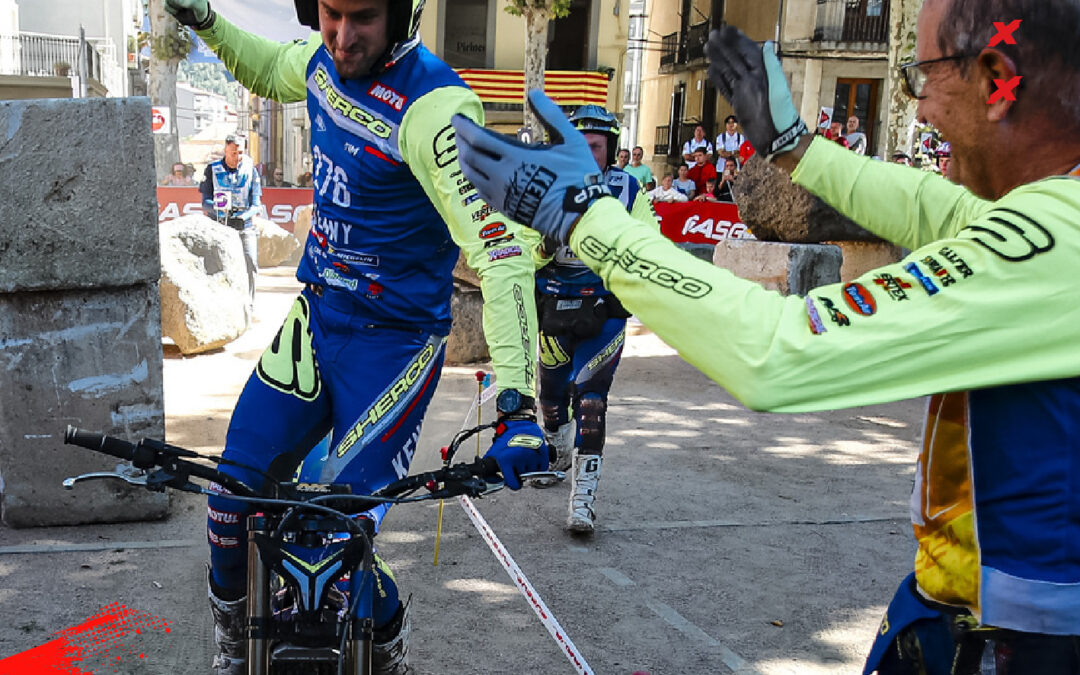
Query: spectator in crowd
901, 158
723, 191
640, 171
623, 158
698, 141
275, 177
304, 180
701, 171
178, 178
666, 191
836, 133
683, 183
729, 142
232, 194
746, 151
856, 139
709, 193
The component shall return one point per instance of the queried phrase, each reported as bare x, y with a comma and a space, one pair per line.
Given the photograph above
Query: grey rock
776, 209
85, 219
204, 286
466, 343
91, 359
792, 269
465, 274
276, 245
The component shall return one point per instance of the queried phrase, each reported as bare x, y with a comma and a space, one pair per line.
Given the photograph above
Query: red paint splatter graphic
98, 645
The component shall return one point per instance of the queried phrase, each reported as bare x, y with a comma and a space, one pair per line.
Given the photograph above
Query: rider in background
985, 308
582, 331
361, 350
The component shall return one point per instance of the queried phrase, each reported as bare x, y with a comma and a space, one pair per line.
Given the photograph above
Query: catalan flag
565, 87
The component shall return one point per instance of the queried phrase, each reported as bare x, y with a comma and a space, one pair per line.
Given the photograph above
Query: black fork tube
258, 602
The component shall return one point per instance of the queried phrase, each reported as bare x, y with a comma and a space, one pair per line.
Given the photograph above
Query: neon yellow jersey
985, 308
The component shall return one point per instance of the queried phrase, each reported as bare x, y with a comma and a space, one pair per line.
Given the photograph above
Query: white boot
582, 517
230, 617
562, 439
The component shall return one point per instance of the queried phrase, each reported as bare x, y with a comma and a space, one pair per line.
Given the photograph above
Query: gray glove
750, 78
189, 12
547, 187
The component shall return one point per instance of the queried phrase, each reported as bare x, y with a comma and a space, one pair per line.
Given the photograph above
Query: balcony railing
36, 54
663, 141
669, 49
696, 37
852, 21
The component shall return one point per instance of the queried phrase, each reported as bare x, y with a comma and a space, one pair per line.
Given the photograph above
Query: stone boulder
300, 232
775, 209
204, 287
465, 274
466, 343
276, 245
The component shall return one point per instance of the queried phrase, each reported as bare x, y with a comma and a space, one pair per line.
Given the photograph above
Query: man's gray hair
1047, 49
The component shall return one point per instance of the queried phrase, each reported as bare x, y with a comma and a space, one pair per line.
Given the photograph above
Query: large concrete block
87, 358
792, 269
79, 208
862, 256
466, 343
776, 209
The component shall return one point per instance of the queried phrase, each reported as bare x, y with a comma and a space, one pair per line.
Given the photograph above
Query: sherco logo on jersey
340, 103
859, 299
927, 283
493, 230
894, 285
664, 277
387, 96
503, 253
369, 421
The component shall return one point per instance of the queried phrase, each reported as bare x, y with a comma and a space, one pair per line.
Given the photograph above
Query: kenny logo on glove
547, 187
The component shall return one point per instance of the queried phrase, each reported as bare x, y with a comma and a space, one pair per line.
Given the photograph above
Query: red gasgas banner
700, 222
279, 204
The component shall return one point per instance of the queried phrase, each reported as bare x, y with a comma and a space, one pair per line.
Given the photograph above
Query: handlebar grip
92, 440
486, 467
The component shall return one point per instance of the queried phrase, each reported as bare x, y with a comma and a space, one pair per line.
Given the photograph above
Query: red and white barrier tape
537, 604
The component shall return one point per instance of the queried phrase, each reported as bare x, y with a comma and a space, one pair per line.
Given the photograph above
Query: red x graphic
1004, 32
1005, 89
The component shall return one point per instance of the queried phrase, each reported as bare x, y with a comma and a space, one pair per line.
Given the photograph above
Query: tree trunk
163, 63
901, 122
536, 25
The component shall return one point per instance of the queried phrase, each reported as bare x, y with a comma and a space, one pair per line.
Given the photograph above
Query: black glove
749, 76
195, 13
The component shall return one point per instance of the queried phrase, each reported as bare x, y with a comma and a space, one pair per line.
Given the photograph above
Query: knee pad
591, 415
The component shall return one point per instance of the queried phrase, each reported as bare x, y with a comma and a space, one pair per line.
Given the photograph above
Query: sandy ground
729, 541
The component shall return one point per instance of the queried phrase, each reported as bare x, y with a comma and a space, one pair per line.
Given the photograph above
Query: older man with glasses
983, 314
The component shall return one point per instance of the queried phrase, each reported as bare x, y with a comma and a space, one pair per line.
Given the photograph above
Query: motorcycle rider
232, 194
582, 331
984, 308
361, 350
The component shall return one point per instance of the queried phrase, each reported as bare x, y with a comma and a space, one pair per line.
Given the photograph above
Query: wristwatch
513, 402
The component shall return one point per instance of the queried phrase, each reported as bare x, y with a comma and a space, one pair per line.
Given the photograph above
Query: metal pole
83, 69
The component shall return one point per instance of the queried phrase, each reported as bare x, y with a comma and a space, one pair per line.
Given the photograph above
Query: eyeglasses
915, 77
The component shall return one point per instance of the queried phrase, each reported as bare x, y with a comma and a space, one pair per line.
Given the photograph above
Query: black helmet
404, 26
597, 119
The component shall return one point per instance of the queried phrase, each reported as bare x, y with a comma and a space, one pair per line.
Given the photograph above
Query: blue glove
189, 12
749, 76
547, 187
519, 447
